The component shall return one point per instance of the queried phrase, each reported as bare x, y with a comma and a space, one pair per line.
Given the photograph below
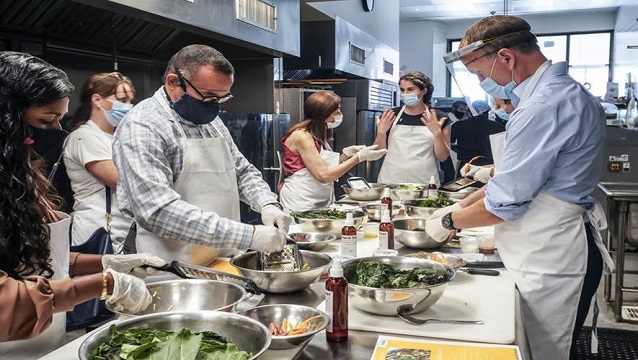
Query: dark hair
190, 58
317, 108
457, 103
25, 81
502, 31
103, 84
422, 81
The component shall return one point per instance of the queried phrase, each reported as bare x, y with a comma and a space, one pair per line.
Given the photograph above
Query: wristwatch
447, 222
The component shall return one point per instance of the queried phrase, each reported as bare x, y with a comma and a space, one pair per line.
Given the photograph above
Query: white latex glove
468, 170
130, 294
132, 263
369, 153
435, 229
268, 239
480, 173
442, 211
352, 150
271, 215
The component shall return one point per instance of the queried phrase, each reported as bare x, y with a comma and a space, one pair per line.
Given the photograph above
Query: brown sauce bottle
337, 303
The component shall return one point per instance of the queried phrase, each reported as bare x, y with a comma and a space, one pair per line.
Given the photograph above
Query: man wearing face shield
180, 174
547, 165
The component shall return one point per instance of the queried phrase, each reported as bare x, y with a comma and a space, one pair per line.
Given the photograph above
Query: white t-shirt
86, 144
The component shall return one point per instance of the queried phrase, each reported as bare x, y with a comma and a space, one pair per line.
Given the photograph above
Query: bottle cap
336, 271
385, 217
349, 219
386, 192
432, 180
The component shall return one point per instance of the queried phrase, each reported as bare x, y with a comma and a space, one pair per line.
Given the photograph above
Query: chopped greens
158, 344
382, 275
437, 202
330, 214
409, 187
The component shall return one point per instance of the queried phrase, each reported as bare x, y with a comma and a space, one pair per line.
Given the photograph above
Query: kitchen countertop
360, 344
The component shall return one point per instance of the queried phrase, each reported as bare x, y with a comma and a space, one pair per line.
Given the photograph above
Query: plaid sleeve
147, 152
253, 190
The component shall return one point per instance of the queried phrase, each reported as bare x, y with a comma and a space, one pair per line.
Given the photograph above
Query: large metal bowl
411, 233
327, 226
312, 241
418, 212
397, 193
459, 194
249, 335
386, 301
373, 193
282, 282
267, 314
191, 294
374, 211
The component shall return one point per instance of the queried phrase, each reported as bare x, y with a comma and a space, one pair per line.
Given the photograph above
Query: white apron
545, 252
410, 157
51, 338
208, 181
89, 215
301, 191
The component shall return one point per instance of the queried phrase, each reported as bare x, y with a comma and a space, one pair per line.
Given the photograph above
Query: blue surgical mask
500, 91
194, 110
501, 113
117, 112
410, 99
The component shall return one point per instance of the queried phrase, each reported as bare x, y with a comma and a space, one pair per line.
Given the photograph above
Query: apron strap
598, 222
594, 324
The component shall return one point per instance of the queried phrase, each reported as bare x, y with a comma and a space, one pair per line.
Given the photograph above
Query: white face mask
500, 91
410, 99
337, 122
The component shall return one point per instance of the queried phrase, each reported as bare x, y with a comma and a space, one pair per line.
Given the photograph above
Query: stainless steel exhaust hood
336, 48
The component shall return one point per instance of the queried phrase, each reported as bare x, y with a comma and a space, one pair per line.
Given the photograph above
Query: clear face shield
465, 81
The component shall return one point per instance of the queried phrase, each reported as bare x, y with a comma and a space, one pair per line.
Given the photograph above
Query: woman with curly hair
35, 263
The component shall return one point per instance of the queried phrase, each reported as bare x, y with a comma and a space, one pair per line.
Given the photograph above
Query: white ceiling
413, 10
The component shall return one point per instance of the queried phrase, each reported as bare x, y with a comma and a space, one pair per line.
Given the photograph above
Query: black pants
590, 285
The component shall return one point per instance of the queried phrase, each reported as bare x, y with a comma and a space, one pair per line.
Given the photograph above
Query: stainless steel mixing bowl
374, 211
282, 282
327, 226
373, 193
192, 294
386, 301
411, 233
312, 241
267, 314
458, 195
418, 212
248, 334
416, 192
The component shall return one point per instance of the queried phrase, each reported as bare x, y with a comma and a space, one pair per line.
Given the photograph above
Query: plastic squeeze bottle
337, 303
387, 200
386, 231
433, 190
349, 237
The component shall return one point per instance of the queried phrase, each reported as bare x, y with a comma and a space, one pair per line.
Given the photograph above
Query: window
588, 57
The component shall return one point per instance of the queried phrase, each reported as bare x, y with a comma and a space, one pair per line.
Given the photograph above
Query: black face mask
194, 110
459, 114
48, 143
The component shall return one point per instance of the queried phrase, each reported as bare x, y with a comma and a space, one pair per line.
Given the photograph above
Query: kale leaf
383, 275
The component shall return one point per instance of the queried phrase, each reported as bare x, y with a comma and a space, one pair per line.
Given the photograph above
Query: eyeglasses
206, 98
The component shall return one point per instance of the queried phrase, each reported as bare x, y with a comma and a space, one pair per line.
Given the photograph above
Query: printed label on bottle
349, 245
329, 310
383, 240
433, 193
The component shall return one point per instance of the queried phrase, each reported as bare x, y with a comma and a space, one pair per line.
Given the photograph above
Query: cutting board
468, 297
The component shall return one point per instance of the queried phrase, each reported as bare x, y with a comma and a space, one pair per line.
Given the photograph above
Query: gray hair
190, 58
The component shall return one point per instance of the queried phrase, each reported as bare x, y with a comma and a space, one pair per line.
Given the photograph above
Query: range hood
338, 49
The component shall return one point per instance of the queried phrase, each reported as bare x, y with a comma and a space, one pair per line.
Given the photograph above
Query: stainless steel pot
249, 335
387, 301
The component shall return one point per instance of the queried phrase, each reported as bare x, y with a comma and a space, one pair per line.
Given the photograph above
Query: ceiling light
417, 9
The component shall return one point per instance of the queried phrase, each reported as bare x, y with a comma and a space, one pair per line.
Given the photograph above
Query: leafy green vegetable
437, 202
382, 275
330, 214
157, 344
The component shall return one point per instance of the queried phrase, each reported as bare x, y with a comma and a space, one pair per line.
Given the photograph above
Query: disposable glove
369, 153
442, 211
480, 173
130, 294
132, 263
434, 228
271, 215
268, 239
352, 150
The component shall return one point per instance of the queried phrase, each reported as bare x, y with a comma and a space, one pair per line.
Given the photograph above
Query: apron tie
598, 222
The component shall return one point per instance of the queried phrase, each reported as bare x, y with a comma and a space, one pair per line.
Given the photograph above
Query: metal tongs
357, 182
